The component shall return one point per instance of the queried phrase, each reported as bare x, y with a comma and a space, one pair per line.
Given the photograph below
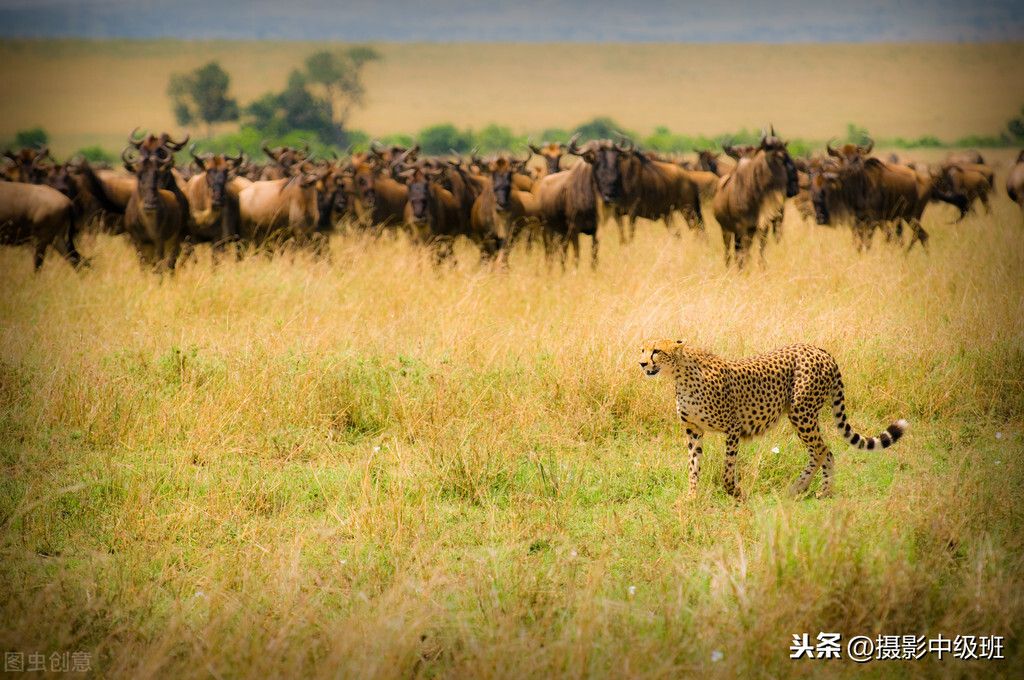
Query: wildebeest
973, 182
552, 153
650, 189
275, 211
568, 205
501, 209
432, 213
27, 165
283, 158
213, 207
154, 219
750, 198
1015, 181
969, 156
380, 198
37, 215
874, 193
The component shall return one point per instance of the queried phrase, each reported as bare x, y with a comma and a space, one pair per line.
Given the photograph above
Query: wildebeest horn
132, 140
772, 126
237, 160
532, 147
571, 146
831, 151
125, 158
871, 145
176, 146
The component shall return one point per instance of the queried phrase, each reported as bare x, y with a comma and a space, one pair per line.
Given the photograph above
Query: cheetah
744, 398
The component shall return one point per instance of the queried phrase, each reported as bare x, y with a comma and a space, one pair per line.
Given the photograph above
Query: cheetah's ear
655, 351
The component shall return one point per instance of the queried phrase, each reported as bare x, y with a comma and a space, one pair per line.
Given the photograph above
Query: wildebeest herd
295, 200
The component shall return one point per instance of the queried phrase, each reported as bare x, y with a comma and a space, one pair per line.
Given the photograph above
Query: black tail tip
897, 429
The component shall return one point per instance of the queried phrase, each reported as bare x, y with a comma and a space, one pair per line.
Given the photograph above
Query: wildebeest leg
983, 197
777, 225
575, 241
593, 250
727, 241
39, 255
670, 225
743, 241
762, 238
917, 233
632, 226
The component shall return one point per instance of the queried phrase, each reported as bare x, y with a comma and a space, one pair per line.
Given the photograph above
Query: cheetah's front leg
694, 434
732, 445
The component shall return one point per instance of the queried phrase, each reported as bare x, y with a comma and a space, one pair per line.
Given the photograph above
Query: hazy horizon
530, 21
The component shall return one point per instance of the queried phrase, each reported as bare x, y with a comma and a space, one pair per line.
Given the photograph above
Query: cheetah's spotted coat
744, 398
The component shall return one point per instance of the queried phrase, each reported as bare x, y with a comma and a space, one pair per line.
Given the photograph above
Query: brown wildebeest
28, 165
154, 219
568, 203
282, 158
552, 153
214, 209
275, 211
379, 198
40, 215
1015, 181
653, 190
750, 198
974, 182
874, 193
432, 213
501, 210
968, 156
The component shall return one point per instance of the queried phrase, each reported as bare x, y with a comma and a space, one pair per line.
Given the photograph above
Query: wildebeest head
552, 153
29, 165
59, 177
218, 170
418, 181
707, 161
162, 147
150, 171
604, 157
363, 181
500, 170
285, 156
823, 185
739, 151
775, 148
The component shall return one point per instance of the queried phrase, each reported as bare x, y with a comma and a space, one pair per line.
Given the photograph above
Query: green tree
34, 137
1016, 127
440, 139
340, 76
495, 138
202, 96
599, 128
295, 108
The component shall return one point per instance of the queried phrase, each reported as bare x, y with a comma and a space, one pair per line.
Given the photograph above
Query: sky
777, 21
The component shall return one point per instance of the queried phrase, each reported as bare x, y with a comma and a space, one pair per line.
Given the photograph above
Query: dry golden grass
88, 92
371, 468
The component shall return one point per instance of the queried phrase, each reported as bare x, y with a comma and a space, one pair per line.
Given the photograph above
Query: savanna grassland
367, 467
94, 92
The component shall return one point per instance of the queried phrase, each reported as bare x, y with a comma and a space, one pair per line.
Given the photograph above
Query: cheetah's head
656, 354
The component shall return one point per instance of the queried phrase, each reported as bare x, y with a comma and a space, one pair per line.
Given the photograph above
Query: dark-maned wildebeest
501, 209
653, 190
974, 182
213, 208
874, 194
37, 215
750, 198
568, 206
282, 158
27, 165
154, 219
379, 197
1015, 181
432, 213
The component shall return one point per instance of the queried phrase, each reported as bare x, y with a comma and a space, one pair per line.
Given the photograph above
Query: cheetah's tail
883, 441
